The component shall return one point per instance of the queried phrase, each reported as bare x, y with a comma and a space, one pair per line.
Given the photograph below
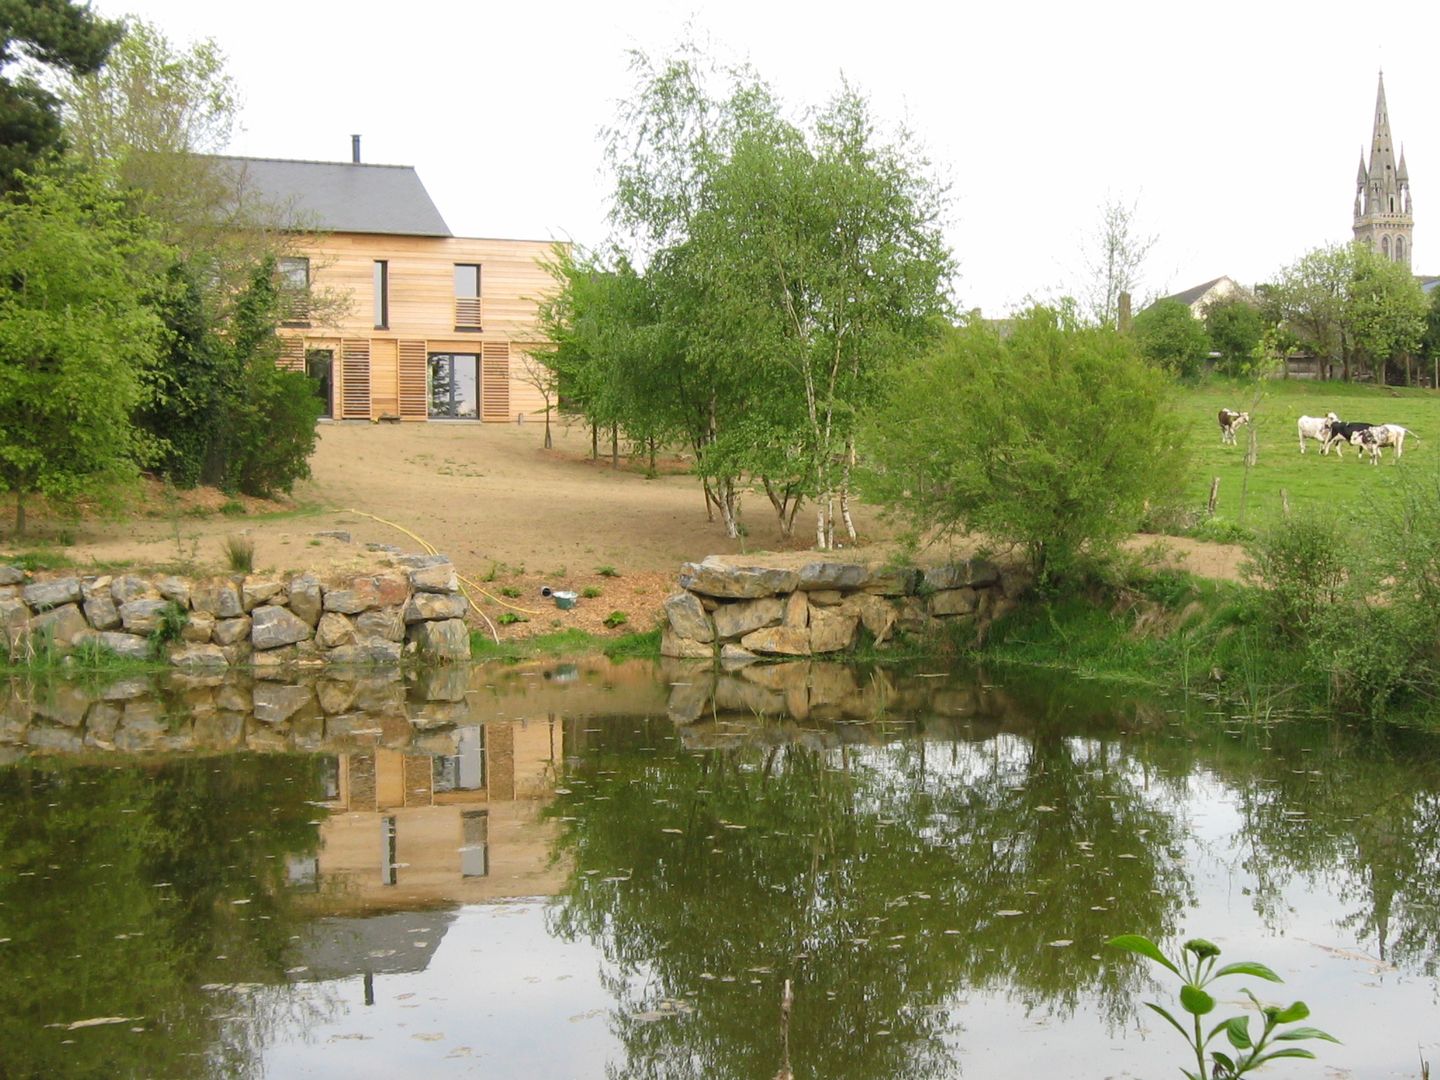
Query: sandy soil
512, 515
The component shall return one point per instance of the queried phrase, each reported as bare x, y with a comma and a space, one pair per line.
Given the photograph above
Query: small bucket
565, 600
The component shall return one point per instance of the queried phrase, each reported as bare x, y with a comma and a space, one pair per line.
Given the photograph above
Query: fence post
1214, 495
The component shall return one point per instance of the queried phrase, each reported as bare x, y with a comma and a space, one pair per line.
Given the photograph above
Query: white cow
1317, 428
1380, 435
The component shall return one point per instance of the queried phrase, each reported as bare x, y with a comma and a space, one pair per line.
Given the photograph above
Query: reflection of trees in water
126, 889
875, 878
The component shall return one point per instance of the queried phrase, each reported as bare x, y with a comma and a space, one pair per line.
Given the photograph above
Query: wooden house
434, 327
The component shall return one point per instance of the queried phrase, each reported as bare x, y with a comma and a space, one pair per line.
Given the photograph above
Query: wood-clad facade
408, 347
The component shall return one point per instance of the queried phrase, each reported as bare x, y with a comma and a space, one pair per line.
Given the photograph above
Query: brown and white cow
1229, 421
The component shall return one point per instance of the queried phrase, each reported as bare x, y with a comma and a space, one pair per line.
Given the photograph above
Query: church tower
1382, 192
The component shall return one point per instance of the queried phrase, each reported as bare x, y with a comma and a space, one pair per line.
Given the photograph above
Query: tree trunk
594, 442
549, 443
19, 513
614, 446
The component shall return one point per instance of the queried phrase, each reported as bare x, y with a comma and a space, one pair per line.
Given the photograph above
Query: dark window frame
381, 295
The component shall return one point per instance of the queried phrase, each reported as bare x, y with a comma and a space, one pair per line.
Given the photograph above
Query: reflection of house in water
454, 818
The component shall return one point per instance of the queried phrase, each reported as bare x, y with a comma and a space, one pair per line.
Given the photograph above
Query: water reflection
232, 873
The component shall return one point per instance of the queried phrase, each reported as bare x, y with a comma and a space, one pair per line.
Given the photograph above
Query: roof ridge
308, 161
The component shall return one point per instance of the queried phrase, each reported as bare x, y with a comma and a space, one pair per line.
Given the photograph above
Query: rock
389, 549
101, 612
335, 696
825, 597
876, 614
797, 610
11, 575
672, 644
386, 623
831, 631
893, 581
334, 630
732, 656
233, 697
142, 616
63, 624
229, 631
220, 731
14, 617
129, 587
781, 678
305, 597
688, 618
438, 578
272, 627
102, 720
130, 646
912, 615
448, 683
52, 594
690, 699
779, 641
53, 738
735, 695
971, 573
11, 592
429, 715
198, 628
174, 589
424, 606
953, 602
361, 596
93, 587
221, 599
833, 575
333, 534
237, 653
420, 562
255, 591
715, 578
443, 639
737, 620
64, 703
1016, 583
276, 703
391, 590
199, 656
376, 651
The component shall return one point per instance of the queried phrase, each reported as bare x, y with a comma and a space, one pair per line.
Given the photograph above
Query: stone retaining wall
745, 609
413, 608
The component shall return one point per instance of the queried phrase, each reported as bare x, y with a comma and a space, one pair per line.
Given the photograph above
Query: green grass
1344, 485
569, 642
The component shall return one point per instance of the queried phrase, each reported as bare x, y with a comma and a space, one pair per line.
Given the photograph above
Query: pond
594, 870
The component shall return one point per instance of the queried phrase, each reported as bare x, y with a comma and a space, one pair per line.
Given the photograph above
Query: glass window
382, 294
455, 386
294, 273
319, 364
467, 280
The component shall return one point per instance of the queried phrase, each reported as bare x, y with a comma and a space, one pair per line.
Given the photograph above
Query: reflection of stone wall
786, 605
413, 608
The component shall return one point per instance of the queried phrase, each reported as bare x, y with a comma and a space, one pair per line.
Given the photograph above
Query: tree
1113, 257
1235, 328
1054, 438
545, 380
78, 337
36, 36
1170, 337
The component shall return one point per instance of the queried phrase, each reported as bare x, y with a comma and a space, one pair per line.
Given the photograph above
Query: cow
1340, 432
1229, 421
1373, 438
1317, 428
1367, 441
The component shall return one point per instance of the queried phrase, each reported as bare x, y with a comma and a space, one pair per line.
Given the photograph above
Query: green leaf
1305, 1033
1167, 1016
1144, 946
1289, 1052
1196, 1001
1297, 1011
1237, 1030
1225, 1060
1249, 967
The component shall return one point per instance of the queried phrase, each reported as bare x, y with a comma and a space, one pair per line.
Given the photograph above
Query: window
319, 365
294, 273
467, 296
475, 843
454, 385
1399, 249
382, 295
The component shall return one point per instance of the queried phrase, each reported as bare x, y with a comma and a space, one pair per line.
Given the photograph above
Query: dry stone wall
741, 610
413, 608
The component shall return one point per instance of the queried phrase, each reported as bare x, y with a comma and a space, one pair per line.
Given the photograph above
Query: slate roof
329, 196
1189, 296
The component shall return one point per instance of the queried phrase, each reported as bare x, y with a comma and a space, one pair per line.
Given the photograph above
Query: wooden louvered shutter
355, 380
292, 354
414, 392
495, 381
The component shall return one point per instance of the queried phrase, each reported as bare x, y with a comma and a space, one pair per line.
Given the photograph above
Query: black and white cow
1372, 439
1229, 421
1340, 433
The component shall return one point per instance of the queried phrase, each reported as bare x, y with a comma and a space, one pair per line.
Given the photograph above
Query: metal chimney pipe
355, 149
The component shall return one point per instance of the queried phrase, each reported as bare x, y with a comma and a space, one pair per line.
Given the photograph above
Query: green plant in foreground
240, 554
172, 622
616, 618
508, 618
1197, 968
607, 571
590, 592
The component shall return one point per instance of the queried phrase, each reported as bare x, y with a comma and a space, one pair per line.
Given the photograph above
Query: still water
587, 870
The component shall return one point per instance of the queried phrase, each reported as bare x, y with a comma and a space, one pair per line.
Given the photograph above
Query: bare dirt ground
513, 516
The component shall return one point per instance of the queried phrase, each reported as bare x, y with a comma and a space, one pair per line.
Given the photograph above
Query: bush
616, 618
1301, 567
1172, 338
1054, 438
240, 554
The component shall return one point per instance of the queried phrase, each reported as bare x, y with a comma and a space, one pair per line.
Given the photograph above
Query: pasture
1349, 485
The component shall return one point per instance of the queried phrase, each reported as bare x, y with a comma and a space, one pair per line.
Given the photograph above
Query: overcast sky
1236, 126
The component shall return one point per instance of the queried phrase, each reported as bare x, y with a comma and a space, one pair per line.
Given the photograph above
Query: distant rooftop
331, 196
1189, 296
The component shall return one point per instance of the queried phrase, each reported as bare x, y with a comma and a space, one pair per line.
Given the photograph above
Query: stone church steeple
1383, 217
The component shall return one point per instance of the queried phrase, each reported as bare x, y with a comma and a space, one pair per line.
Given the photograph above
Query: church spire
1382, 203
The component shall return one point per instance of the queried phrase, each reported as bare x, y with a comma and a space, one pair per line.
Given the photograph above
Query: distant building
1199, 297
1383, 217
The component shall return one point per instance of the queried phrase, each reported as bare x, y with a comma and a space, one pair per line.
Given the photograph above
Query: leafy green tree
36, 36
1387, 311
78, 338
1054, 438
1235, 328
1170, 337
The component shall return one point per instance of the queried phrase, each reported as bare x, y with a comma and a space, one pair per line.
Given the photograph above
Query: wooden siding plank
384, 394
355, 380
292, 354
495, 381
413, 378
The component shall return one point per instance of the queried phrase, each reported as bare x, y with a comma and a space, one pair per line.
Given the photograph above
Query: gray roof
1189, 296
329, 196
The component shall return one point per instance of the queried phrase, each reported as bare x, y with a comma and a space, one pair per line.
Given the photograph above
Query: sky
1234, 129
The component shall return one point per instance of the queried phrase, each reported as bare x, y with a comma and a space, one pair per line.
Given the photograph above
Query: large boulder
386, 624
221, 599
63, 624
778, 641
688, 618
175, 589
425, 606
736, 620
198, 627
437, 578
876, 613
971, 573
334, 630
833, 575
277, 702
831, 630
305, 597
11, 575
230, 631
255, 591
683, 648
101, 612
199, 656
954, 602
142, 616
272, 627
52, 594
716, 578
442, 639
130, 646
128, 587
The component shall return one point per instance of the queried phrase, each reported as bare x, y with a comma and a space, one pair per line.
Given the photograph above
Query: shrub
607, 571
590, 592
616, 618
240, 554
1301, 567
1172, 338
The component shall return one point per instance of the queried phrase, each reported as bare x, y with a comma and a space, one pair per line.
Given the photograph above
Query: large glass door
319, 365
455, 386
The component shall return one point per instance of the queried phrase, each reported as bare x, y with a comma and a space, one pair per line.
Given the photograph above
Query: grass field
1348, 485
